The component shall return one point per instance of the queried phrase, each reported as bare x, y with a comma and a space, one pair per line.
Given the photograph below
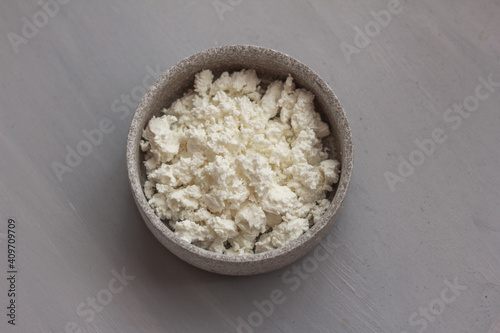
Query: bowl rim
138, 190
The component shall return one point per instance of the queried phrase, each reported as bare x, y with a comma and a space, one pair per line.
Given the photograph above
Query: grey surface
393, 251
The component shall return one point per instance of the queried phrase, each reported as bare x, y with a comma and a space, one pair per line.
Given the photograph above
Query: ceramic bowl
270, 65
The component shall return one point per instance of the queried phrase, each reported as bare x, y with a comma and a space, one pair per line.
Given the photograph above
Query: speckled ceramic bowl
269, 64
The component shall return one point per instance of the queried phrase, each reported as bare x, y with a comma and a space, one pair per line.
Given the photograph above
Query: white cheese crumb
238, 169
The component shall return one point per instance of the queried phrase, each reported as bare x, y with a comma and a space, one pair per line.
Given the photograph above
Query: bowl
270, 65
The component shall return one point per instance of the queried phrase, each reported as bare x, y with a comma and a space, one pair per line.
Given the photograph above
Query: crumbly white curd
238, 169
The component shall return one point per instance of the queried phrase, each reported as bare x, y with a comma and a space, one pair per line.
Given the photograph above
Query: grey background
394, 250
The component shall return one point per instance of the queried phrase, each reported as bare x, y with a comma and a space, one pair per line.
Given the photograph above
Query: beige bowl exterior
269, 64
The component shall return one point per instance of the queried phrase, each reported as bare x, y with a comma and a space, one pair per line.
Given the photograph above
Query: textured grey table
415, 248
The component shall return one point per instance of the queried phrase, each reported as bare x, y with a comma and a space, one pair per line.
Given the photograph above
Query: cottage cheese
238, 169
